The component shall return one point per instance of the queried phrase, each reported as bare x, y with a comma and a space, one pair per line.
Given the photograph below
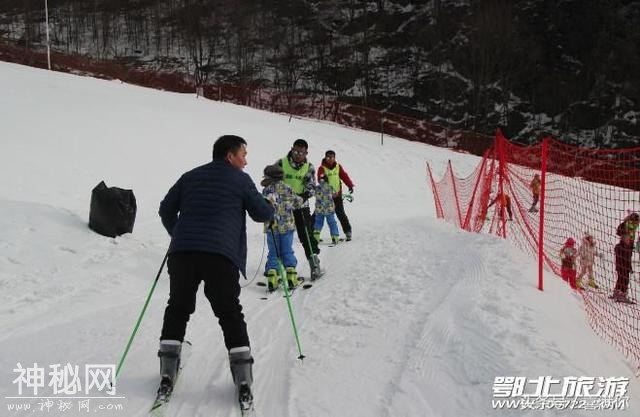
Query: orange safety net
589, 196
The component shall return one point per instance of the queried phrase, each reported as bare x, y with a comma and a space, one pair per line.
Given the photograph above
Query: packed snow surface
413, 318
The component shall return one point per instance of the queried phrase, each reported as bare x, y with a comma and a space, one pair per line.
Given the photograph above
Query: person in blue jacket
205, 215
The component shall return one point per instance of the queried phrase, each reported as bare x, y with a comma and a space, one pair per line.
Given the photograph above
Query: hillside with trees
570, 68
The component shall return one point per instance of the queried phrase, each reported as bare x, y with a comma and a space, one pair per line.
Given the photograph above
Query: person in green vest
299, 174
623, 252
629, 228
336, 175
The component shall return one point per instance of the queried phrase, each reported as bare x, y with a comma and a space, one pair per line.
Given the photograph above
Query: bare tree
198, 20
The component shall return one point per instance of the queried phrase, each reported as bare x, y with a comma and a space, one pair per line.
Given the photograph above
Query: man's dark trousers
304, 228
342, 216
221, 287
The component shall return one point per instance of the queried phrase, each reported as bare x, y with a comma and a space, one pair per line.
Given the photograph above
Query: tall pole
46, 14
543, 187
500, 139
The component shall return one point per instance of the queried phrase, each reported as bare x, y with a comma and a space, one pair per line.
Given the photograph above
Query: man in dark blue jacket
204, 213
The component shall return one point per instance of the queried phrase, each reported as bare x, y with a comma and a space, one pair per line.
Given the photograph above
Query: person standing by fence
587, 255
568, 255
504, 202
535, 186
623, 252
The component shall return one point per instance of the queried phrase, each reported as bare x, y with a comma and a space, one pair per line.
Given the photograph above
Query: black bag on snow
113, 210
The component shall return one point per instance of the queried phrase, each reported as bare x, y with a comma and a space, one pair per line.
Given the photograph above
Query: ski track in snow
412, 301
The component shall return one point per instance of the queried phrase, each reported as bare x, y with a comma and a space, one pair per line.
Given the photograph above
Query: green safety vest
294, 178
333, 176
631, 229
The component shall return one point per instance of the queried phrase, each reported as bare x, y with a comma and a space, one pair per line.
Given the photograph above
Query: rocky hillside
570, 68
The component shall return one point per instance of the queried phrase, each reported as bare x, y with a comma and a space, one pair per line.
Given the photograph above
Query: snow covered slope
414, 317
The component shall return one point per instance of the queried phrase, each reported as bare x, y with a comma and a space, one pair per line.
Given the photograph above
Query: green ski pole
312, 260
287, 294
144, 309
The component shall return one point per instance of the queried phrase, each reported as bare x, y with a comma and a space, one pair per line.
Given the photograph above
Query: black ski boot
169, 355
241, 363
314, 265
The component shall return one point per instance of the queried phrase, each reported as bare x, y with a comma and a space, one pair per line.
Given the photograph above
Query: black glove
351, 190
305, 195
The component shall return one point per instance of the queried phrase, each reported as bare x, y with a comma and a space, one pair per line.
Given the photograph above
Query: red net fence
319, 107
589, 196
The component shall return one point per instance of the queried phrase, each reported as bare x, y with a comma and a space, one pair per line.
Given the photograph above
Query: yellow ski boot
272, 280
292, 277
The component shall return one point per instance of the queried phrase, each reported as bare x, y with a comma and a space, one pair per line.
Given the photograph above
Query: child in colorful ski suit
568, 255
325, 209
535, 191
586, 255
280, 231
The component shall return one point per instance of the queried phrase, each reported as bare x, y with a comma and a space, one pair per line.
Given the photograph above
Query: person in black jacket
623, 252
204, 213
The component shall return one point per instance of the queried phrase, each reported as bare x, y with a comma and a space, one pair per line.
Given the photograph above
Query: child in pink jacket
568, 256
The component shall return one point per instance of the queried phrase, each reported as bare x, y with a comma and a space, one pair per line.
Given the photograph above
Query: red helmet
570, 242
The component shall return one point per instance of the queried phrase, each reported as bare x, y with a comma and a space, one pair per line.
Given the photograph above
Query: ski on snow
165, 391
245, 401
303, 284
332, 244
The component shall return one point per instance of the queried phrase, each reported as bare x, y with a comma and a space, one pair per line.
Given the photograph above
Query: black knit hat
274, 172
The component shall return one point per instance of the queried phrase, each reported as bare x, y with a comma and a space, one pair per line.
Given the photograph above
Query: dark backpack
113, 210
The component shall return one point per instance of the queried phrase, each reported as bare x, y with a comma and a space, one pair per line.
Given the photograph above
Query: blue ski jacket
206, 208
